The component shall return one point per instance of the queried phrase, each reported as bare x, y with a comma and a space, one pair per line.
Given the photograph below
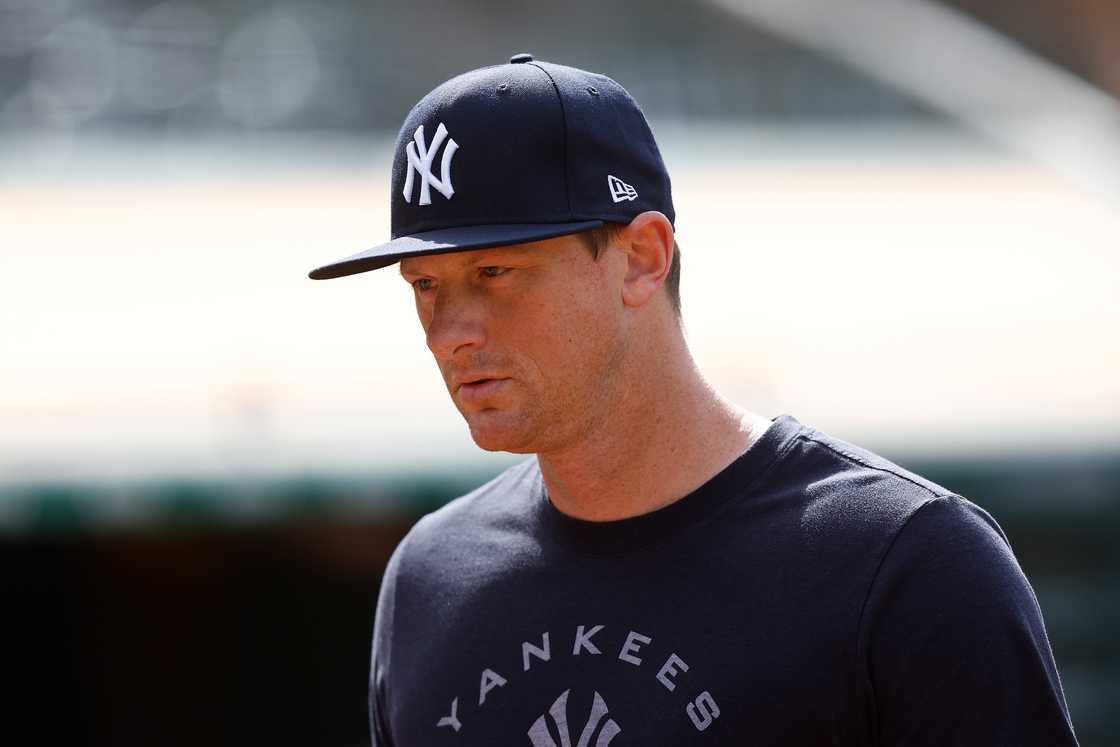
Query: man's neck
650, 453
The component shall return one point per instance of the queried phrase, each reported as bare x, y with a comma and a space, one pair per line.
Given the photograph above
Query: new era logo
620, 190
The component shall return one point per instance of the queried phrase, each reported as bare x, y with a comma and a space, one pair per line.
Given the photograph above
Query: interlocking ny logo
420, 157
539, 736
620, 190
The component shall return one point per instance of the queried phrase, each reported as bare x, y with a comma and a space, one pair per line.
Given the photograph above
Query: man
667, 568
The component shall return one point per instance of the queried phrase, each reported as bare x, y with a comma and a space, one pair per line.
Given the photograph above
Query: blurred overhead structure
197, 65
191, 65
953, 63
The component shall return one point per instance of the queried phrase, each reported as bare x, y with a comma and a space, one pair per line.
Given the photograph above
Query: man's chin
490, 433
508, 449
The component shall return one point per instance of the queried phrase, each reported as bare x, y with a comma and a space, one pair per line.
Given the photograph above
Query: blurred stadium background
899, 222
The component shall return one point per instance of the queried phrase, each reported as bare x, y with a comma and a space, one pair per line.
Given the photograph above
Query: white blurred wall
904, 288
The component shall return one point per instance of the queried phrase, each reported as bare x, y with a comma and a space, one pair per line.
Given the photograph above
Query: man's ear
648, 245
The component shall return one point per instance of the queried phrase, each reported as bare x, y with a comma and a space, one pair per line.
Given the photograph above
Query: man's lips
480, 389
459, 380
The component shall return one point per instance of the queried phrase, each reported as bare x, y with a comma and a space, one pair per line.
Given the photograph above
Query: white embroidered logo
539, 736
420, 157
620, 190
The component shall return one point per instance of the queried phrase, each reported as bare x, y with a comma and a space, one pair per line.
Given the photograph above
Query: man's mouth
481, 389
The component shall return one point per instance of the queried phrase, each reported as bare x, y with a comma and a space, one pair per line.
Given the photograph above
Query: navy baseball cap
512, 153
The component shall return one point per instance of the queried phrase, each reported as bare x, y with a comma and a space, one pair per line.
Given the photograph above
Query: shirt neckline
735, 480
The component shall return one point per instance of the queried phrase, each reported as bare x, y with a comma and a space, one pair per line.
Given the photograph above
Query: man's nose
458, 321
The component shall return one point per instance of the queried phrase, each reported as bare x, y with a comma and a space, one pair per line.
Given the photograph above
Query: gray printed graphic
538, 732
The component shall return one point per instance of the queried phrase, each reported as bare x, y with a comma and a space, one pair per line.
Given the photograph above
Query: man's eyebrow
497, 254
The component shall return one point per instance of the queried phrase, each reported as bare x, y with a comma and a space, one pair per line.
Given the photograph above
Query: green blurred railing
1061, 513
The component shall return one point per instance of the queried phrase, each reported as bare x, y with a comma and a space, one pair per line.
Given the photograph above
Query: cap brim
446, 240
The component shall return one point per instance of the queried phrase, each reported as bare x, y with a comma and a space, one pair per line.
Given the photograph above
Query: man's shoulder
846, 488
847, 501
476, 518
857, 460
504, 493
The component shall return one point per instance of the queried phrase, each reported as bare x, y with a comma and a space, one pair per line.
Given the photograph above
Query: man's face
541, 322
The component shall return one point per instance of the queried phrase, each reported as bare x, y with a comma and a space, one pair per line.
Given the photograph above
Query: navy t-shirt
810, 593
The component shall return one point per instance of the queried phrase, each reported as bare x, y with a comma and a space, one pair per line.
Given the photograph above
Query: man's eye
493, 271
419, 284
